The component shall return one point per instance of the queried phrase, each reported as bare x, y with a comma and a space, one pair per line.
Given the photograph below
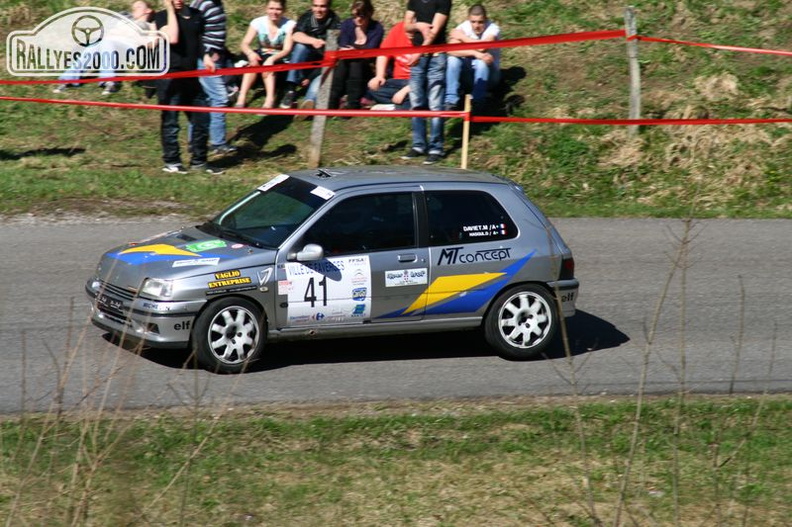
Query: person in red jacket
390, 86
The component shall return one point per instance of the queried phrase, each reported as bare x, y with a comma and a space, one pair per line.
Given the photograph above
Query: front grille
114, 290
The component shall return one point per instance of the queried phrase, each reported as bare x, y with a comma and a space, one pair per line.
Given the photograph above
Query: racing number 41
310, 291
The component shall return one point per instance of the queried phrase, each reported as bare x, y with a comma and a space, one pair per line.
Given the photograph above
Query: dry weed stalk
721, 459
650, 333
590, 505
683, 263
198, 415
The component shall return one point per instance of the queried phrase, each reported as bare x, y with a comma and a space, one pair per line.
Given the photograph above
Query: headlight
156, 289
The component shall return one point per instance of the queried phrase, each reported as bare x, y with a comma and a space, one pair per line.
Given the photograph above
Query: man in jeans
184, 26
213, 39
425, 21
482, 64
309, 38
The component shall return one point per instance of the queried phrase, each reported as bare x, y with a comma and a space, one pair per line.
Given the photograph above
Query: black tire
522, 322
229, 335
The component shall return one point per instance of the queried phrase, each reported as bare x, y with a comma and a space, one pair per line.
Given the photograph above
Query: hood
179, 254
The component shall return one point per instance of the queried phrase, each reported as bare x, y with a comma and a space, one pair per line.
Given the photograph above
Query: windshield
267, 216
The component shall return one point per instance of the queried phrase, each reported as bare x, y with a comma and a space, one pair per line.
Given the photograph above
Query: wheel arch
512, 285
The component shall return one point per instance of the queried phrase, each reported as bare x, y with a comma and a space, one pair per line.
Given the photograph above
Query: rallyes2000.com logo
87, 39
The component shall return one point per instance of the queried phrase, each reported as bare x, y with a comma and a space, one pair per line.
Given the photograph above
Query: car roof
338, 178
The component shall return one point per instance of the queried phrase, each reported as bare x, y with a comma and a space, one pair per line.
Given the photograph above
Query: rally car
341, 252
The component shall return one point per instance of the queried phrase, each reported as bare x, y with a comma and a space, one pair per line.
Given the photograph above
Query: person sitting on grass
274, 35
309, 37
351, 76
390, 86
142, 14
483, 65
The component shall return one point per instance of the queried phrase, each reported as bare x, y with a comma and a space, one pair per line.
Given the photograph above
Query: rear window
466, 217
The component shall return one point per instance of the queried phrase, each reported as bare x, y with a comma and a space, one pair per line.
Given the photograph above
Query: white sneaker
110, 87
174, 168
383, 107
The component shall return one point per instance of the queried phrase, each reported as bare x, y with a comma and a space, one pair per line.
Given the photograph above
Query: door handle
407, 258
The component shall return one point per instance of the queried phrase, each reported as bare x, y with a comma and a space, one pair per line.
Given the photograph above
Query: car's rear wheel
228, 335
522, 322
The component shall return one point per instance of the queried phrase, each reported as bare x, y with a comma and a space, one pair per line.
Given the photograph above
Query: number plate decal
110, 304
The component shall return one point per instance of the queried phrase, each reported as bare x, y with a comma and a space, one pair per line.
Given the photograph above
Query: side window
466, 217
375, 222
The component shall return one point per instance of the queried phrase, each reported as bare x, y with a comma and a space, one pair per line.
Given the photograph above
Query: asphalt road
725, 325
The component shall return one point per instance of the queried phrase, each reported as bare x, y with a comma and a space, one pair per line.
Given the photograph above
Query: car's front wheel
228, 335
522, 322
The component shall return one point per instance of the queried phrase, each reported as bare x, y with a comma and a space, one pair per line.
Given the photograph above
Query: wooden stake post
630, 26
466, 131
319, 121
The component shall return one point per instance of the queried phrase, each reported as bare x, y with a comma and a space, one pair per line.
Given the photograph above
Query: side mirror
309, 253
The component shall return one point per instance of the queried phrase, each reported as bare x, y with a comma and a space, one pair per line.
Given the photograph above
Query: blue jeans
305, 53
216, 93
86, 63
427, 91
385, 93
459, 69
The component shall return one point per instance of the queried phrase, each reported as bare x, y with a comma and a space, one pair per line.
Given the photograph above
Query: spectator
391, 90
351, 76
141, 13
214, 44
184, 26
425, 22
274, 34
483, 64
309, 38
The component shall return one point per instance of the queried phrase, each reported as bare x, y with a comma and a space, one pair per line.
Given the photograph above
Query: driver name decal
487, 229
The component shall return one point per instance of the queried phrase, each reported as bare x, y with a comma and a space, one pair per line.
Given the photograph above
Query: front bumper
155, 324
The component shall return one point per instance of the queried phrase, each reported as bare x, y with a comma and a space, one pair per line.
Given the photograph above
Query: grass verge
502, 462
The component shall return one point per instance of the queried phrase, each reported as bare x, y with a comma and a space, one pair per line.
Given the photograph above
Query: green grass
507, 463
94, 160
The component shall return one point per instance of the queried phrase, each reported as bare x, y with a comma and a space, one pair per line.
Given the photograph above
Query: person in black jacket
184, 27
309, 38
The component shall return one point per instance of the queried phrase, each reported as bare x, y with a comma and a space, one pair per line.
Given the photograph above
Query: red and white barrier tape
404, 113
331, 57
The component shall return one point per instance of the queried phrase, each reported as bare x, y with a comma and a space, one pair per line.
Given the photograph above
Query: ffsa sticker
329, 291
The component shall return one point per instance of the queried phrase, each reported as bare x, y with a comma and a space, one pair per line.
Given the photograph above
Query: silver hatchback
341, 252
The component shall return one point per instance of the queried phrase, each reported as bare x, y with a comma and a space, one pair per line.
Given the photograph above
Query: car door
372, 270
